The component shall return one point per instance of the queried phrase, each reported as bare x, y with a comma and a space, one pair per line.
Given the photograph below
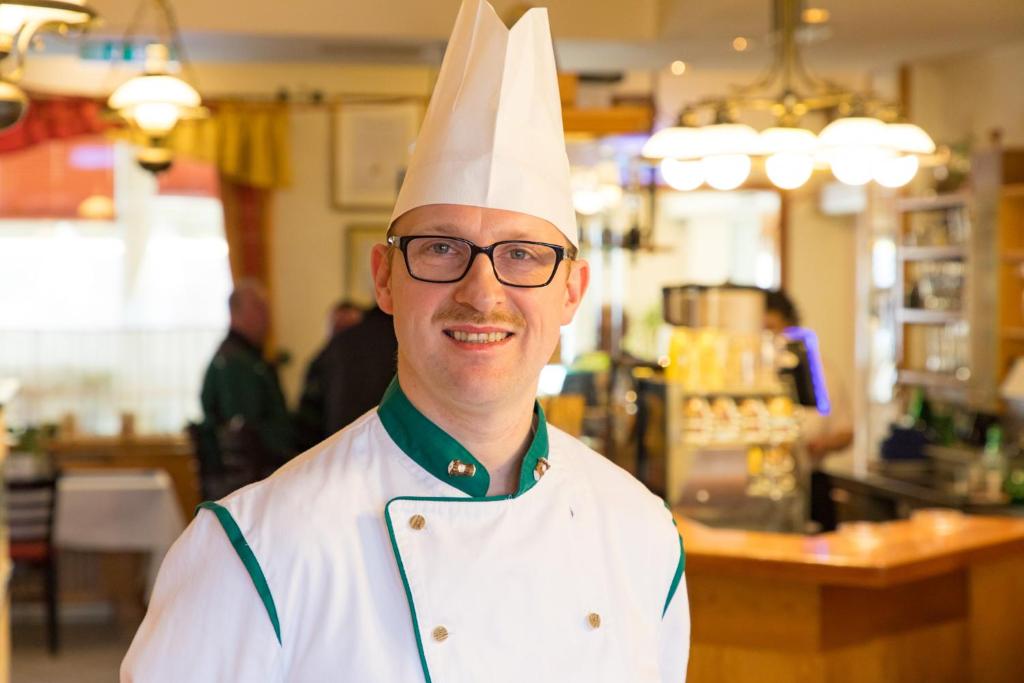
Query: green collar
435, 451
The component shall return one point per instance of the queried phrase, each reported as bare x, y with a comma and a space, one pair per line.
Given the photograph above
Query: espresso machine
718, 429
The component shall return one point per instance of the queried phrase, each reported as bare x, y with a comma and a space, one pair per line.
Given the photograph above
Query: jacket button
417, 522
457, 468
440, 634
594, 619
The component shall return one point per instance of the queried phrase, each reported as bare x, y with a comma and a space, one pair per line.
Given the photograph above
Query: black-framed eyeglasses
516, 263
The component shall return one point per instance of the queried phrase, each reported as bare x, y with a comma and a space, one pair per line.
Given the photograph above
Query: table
169, 452
119, 510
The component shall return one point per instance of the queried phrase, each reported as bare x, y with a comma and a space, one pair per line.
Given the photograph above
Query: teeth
478, 337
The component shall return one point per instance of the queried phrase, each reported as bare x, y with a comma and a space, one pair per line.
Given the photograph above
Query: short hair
244, 287
346, 304
778, 301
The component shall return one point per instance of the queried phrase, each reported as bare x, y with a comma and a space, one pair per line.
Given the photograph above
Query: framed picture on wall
360, 237
370, 149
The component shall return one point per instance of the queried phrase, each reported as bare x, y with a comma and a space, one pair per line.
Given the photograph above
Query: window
113, 286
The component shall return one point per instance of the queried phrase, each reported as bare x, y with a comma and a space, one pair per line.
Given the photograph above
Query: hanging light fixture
863, 144
20, 22
153, 102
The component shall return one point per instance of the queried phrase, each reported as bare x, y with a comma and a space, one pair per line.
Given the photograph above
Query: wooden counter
169, 452
933, 600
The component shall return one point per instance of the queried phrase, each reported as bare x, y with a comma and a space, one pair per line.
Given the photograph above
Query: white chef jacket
377, 557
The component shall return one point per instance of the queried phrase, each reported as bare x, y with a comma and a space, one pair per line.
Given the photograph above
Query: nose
480, 288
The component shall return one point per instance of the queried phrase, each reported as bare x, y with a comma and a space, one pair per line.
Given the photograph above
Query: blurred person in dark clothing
246, 431
358, 366
309, 418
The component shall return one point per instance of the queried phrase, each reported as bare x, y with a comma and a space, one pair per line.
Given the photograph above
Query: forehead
479, 224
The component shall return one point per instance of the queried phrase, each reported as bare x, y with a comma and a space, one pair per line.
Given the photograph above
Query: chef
450, 534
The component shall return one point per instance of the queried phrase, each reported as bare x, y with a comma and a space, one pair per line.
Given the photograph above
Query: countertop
868, 555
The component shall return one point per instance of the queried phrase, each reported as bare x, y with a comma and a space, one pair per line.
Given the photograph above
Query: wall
964, 97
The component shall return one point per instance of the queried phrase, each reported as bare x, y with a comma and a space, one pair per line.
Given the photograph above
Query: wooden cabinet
960, 283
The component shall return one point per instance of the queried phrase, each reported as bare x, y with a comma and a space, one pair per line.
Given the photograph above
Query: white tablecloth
119, 510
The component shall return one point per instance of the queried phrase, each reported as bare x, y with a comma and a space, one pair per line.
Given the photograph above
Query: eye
439, 248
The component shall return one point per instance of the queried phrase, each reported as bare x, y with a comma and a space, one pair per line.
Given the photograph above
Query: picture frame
360, 238
370, 149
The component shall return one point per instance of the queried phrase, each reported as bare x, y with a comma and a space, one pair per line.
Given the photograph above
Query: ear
575, 288
380, 265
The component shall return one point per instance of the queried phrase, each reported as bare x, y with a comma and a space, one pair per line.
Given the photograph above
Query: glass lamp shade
678, 142
854, 131
784, 140
155, 102
909, 139
682, 175
789, 170
727, 139
857, 165
16, 16
896, 171
725, 171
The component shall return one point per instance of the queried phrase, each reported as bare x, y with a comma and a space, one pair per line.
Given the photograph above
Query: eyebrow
453, 230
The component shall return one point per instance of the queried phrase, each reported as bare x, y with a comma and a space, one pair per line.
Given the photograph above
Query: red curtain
51, 118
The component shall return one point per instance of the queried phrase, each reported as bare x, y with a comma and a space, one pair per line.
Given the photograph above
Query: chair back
31, 504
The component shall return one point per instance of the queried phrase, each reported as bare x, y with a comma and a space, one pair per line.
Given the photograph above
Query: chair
31, 504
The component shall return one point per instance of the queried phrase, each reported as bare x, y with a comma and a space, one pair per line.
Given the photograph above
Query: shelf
947, 253
1012, 333
1013, 255
924, 378
927, 317
1015, 190
937, 203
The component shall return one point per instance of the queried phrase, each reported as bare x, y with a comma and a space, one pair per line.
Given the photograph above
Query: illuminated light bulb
726, 171
790, 151
155, 118
678, 67
856, 165
682, 175
897, 171
788, 170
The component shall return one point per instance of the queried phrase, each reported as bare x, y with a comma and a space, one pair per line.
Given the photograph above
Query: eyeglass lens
517, 263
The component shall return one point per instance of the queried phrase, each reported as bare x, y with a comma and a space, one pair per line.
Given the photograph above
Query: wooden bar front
916, 601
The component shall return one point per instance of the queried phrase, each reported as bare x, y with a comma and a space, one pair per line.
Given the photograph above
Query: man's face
512, 331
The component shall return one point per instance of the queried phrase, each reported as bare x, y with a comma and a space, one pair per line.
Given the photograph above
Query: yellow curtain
250, 147
247, 142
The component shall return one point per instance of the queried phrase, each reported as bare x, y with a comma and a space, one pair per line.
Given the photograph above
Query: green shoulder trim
433, 449
252, 566
679, 570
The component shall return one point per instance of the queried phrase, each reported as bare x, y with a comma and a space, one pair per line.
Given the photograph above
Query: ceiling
591, 34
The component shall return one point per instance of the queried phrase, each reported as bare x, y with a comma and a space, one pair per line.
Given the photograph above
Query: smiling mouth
478, 337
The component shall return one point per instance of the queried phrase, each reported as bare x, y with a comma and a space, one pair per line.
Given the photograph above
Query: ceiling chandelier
153, 102
20, 23
867, 140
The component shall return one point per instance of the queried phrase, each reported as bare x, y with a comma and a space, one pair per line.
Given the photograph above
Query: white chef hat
492, 135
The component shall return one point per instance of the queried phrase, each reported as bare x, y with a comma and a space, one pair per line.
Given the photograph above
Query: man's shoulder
309, 484
609, 481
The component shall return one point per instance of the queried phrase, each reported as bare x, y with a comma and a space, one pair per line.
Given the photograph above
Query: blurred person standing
246, 433
309, 421
822, 435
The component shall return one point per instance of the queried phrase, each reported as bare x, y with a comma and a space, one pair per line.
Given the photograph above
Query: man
450, 535
358, 367
311, 417
245, 434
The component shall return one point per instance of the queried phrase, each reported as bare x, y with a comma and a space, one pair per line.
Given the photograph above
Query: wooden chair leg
52, 606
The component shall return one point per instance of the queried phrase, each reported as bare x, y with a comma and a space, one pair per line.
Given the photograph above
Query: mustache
456, 314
